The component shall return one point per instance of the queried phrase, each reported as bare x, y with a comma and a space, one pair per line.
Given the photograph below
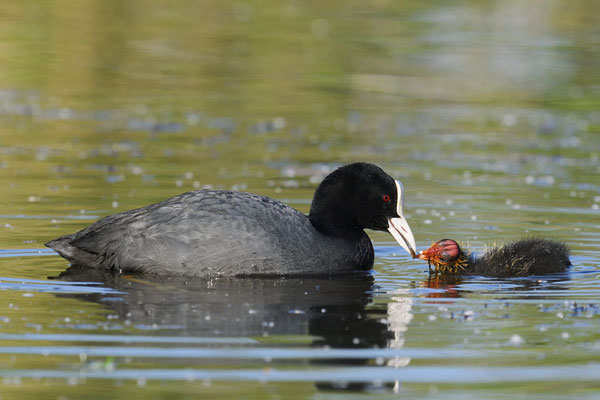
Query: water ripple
54, 286
446, 374
252, 353
26, 252
66, 337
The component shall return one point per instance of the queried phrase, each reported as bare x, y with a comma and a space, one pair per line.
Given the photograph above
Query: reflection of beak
400, 230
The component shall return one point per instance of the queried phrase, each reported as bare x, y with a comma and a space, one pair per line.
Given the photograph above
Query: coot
531, 256
219, 232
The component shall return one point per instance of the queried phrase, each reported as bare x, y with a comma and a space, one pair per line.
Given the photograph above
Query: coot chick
219, 232
531, 256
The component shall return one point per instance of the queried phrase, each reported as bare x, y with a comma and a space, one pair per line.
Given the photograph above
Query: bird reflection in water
332, 311
443, 286
399, 313
453, 287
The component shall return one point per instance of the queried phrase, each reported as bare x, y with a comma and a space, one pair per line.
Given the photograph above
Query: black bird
219, 232
524, 257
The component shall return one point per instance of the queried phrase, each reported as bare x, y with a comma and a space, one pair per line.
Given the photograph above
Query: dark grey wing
202, 232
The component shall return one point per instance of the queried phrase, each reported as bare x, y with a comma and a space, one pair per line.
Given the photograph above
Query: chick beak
426, 254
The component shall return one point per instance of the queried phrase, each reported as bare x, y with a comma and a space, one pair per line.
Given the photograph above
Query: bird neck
334, 222
329, 212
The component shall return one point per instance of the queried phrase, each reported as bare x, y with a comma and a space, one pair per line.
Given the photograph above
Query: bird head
446, 256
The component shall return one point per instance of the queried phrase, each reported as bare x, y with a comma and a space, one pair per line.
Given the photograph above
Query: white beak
399, 228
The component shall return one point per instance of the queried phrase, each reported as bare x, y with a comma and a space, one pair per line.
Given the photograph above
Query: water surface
488, 112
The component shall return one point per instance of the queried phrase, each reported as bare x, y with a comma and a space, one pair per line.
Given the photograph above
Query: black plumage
524, 257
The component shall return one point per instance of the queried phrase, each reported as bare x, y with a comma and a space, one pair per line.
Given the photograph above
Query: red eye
386, 198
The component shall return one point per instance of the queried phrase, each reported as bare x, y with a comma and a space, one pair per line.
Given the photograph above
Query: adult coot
531, 256
219, 232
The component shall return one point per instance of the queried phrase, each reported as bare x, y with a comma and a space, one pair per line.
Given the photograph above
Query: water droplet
516, 340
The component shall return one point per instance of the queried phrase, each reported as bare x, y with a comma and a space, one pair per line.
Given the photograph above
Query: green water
488, 112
